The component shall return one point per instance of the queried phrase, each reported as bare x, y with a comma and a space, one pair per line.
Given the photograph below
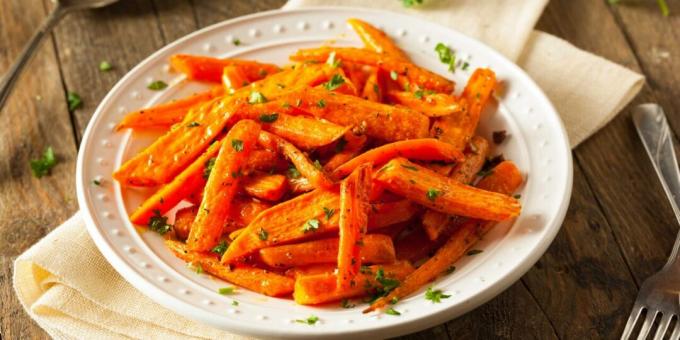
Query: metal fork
659, 294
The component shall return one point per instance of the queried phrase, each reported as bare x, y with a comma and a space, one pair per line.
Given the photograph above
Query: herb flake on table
157, 85
44, 164
105, 66
74, 101
435, 295
96, 182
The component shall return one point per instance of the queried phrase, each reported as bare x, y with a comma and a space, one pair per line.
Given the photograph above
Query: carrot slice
427, 149
314, 174
354, 206
265, 186
346, 148
429, 104
314, 269
256, 279
375, 39
357, 73
164, 115
322, 288
415, 246
444, 194
233, 79
222, 185
505, 179
458, 128
416, 75
376, 248
210, 69
373, 89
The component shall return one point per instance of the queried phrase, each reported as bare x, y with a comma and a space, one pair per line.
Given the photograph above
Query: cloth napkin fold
71, 291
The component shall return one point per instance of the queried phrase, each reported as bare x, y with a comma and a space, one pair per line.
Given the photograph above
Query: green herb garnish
43, 165
411, 3
237, 145
209, 164
256, 98
392, 311
335, 82
96, 182
236, 42
226, 290
419, 94
446, 56
193, 124
263, 234
435, 296
159, 223
394, 75
221, 248
269, 118
321, 103
311, 225
450, 269
329, 212
409, 167
157, 85
105, 66
73, 100
293, 172
432, 194
234, 303
310, 320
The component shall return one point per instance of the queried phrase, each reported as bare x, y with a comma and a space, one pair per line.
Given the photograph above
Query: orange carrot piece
234, 234
265, 186
222, 185
505, 179
210, 69
314, 269
256, 279
233, 79
415, 246
354, 206
376, 248
322, 288
444, 194
357, 73
416, 75
375, 39
286, 221
299, 185
345, 149
458, 128
373, 89
183, 220
427, 149
429, 104
306, 168
166, 114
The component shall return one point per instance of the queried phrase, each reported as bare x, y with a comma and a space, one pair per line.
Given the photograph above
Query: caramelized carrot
373, 89
345, 149
376, 40
429, 104
233, 78
183, 220
415, 246
210, 69
222, 185
353, 222
314, 269
265, 186
357, 73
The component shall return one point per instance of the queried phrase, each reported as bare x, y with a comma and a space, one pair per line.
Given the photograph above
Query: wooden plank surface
618, 229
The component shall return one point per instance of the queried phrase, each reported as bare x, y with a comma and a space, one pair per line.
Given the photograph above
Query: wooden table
619, 228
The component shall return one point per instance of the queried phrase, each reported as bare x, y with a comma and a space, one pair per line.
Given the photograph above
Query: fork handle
650, 122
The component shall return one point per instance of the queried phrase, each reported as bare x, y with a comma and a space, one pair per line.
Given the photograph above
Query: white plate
537, 142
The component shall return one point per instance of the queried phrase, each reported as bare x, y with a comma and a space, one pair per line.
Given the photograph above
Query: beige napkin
71, 291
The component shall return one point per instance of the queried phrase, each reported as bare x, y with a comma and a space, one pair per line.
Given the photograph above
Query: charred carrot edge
222, 185
346, 148
444, 194
505, 179
183, 220
256, 279
210, 69
375, 39
322, 288
265, 186
354, 206
416, 75
377, 248
306, 168
430, 104
167, 114
415, 246
233, 78
426, 149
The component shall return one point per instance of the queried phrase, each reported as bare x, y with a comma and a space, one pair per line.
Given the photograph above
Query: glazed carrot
395, 230
346, 86
167, 114
255, 279
210, 69
415, 246
233, 78
315, 175
287, 222
353, 223
314, 269
188, 181
304, 132
416, 75
444, 194
357, 73
458, 128
376, 40
222, 185
427, 149
183, 220
242, 212
345, 149
373, 89
322, 288
429, 104
299, 185
265, 186
376, 248
505, 179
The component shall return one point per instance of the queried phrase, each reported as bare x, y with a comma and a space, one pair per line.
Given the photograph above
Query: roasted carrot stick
354, 206
233, 78
265, 186
376, 40
210, 69
322, 288
427, 149
444, 194
222, 185
373, 89
376, 248
255, 279
242, 212
315, 175
314, 269
183, 220
430, 104
357, 73
167, 114
345, 149
505, 179
415, 246
416, 75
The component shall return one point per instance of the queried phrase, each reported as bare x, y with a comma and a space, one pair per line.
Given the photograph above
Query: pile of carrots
350, 173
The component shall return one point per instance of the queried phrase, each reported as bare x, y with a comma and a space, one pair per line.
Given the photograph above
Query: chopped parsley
332, 61
435, 296
97, 182
309, 321
394, 75
419, 94
157, 85
329, 212
195, 267
450, 269
499, 136
293, 172
321, 103
311, 225
226, 290
432, 194
73, 100
237, 145
346, 304
473, 252
517, 196
262, 73
446, 56
340, 145
159, 223
221, 248
236, 42
234, 303
465, 66
335, 82
256, 98
193, 124
209, 164
411, 3
392, 311
409, 167
105, 66
387, 283
269, 118
43, 165
263, 234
